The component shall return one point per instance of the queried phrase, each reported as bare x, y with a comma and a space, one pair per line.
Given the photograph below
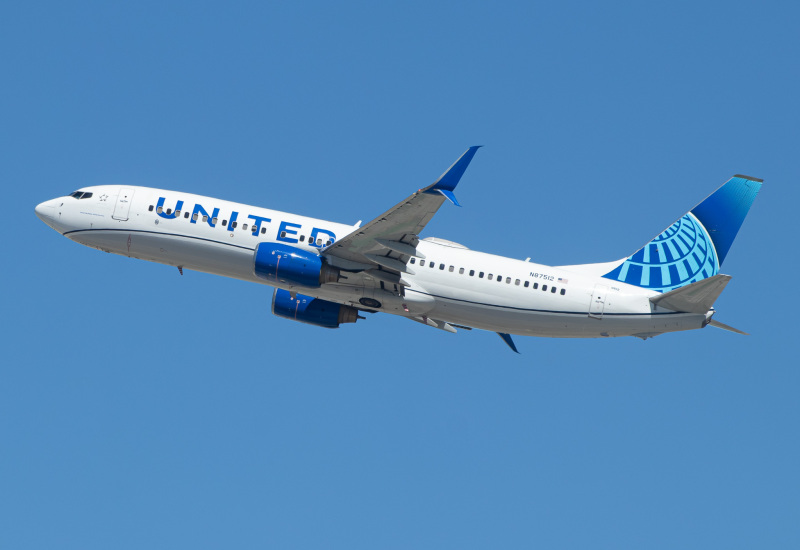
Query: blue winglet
447, 182
449, 195
507, 339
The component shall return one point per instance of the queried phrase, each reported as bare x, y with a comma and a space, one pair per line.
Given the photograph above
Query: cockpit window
80, 195
86, 196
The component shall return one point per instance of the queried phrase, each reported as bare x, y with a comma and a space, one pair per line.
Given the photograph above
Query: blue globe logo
682, 254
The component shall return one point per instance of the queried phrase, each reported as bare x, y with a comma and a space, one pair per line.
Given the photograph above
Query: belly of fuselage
190, 253
560, 325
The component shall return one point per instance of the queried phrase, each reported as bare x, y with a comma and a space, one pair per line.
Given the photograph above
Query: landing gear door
123, 205
598, 303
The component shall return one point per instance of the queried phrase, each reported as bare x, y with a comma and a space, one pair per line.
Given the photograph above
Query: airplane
327, 274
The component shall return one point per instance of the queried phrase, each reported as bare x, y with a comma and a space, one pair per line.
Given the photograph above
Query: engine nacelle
313, 311
284, 264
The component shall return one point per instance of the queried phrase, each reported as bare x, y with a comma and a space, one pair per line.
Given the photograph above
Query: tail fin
694, 247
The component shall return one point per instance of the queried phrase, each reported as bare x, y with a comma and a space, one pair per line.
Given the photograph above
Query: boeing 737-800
326, 273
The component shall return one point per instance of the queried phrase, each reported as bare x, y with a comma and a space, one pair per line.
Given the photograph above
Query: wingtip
452, 175
449, 195
509, 342
750, 178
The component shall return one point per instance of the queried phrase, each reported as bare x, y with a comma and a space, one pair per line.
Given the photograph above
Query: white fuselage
451, 284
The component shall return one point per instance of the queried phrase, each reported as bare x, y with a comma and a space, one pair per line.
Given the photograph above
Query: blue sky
141, 409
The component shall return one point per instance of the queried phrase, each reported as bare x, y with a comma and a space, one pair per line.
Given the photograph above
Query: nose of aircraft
46, 212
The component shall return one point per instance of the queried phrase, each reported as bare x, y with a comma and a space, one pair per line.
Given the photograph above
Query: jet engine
313, 311
284, 264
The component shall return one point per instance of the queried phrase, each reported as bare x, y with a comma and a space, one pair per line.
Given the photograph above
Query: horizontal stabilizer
723, 326
693, 298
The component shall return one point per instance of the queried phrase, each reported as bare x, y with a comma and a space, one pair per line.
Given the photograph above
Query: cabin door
598, 303
123, 205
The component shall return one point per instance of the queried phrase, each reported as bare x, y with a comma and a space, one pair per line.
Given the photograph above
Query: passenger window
151, 208
431, 265
451, 269
527, 284
177, 213
411, 261
186, 214
461, 271
263, 230
553, 290
535, 286
330, 242
508, 280
499, 278
224, 223
244, 227
302, 238
283, 234
205, 218
471, 272
441, 267
516, 282
194, 216
480, 275
422, 263
213, 221
169, 211
544, 288
234, 224
563, 291
490, 276
159, 210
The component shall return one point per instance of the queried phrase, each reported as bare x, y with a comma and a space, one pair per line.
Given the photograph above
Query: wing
383, 246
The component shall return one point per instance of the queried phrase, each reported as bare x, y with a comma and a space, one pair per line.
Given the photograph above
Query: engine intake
313, 311
284, 264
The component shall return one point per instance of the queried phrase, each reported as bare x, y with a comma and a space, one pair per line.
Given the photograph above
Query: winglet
507, 339
449, 196
447, 182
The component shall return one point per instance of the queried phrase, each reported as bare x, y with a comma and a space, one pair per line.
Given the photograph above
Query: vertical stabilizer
694, 247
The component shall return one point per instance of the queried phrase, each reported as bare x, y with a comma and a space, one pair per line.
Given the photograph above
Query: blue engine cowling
313, 311
284, 264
